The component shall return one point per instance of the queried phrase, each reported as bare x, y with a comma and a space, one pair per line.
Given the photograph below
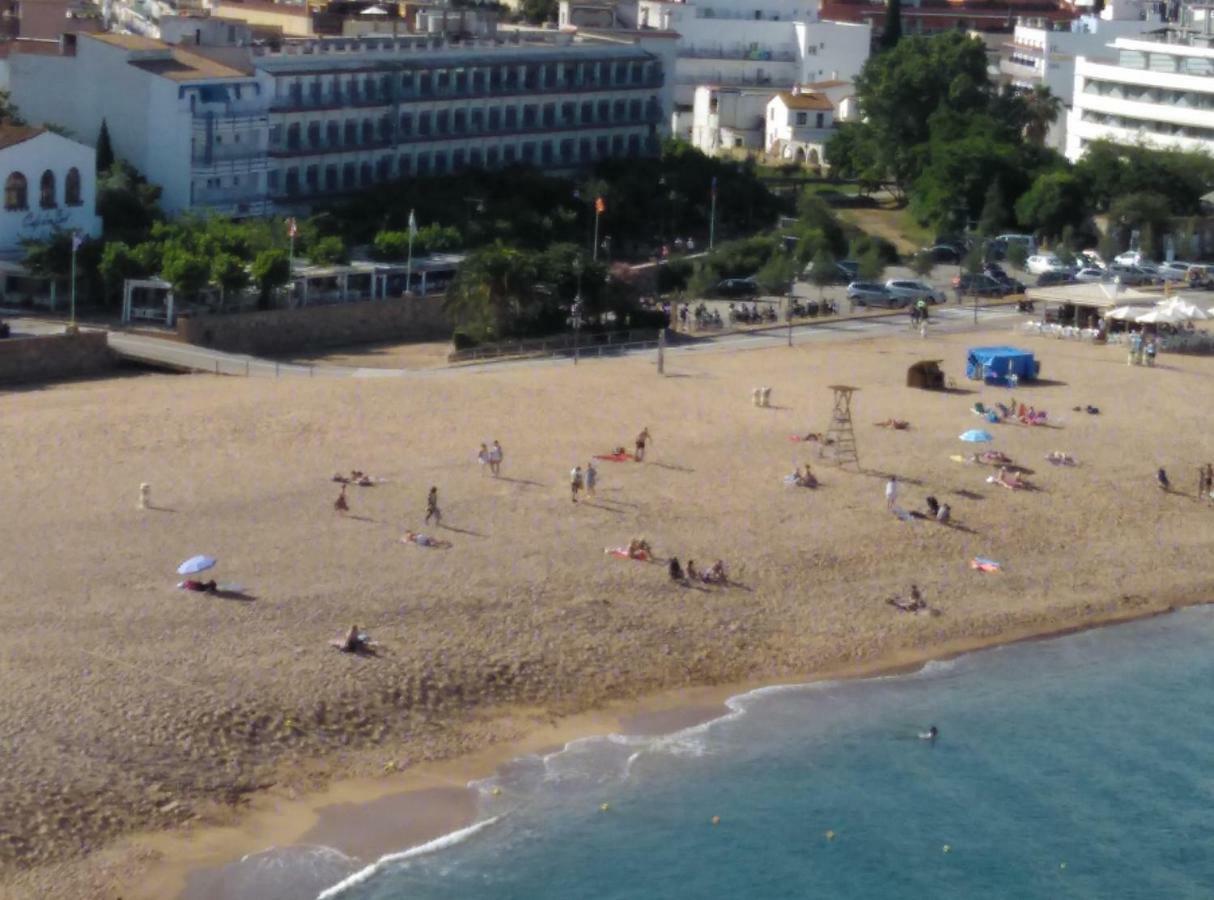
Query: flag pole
712, 218
75, 245
409, 263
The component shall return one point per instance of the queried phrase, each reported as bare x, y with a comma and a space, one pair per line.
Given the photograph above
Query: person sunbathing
638, 548
914, 604
716, 575
422, 540
676, 570
897, 424
994, 456
933, 506
191, 584
340, 478
944, 513
1058, 458
355, 641
692, 574
1010, 480
807, 478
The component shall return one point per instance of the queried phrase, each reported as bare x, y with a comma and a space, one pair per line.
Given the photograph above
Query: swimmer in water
930, 734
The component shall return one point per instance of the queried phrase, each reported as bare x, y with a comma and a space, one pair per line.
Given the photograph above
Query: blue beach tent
996, 363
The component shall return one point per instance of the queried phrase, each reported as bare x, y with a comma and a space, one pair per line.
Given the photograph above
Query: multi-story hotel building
246, 130
1154, 92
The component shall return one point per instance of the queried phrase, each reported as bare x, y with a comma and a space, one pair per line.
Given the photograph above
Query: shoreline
353, 815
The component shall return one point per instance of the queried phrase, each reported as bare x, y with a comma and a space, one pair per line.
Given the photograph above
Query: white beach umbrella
1158, 317
1124, 313
1182, 309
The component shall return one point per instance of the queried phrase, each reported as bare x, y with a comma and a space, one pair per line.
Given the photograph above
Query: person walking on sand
642, 439
1161, 477
592, 478
340, 503
495, 459
891, 492
432, 510
575, 482
482, 458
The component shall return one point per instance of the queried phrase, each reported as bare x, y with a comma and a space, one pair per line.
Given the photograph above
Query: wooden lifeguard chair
839, 444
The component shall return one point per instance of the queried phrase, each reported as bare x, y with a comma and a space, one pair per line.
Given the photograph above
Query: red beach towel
615, 457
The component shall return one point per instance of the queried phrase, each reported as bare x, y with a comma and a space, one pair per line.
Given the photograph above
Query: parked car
1042, 263
914, 290
1090, 275
944, 253
736, 287
844, 272
873, 293
1045, 279
1131, 276
1129, 258
1174, 271
1026, 240
980, 285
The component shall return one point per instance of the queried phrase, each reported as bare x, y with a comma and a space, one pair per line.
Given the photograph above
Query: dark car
1046, 279
979, 285
736, 287
844, 272
1130, 276
944, 253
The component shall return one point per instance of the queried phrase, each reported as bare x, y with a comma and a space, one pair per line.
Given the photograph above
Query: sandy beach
132, 708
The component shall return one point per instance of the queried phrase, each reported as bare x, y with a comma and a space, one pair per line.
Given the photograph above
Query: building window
476, 158
331, 178
423, 164
71, 188
546, 154
460, 121
477, 120
531, 77
618, 111
529, 116
549, 115
442, 121
351, 133
368, 131
634, 110
440, 163
425, 83
478, 81
272, 181
461, 81
529, 153
292, 182
511, 118
406, 124
604, 111
405, 165
365, 174
332, 134
617, 144
568, 113
509, 154
423, 123
600, 146
349, 175
458, 159
802, 118
47, 190
442, 81
15, 192
383, 168
634, 145
385, 129
313, 134
819, 120
567, 146
491, 157
587, 112
584, 149
406, 84
312, 178
293, 136
511, 78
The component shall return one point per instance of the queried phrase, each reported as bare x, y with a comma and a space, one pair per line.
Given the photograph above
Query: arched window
15, 192
71, 188
47, 190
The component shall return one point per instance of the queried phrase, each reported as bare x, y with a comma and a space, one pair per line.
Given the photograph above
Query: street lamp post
576, 309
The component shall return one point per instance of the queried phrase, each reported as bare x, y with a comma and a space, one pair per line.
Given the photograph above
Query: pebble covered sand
128, 704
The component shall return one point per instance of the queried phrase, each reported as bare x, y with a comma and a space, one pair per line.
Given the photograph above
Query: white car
1129, 258
913, 290
1044, 262
1090, 275
1174, 271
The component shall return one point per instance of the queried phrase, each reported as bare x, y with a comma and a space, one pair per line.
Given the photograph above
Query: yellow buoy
716, 820
605, 807
830, 835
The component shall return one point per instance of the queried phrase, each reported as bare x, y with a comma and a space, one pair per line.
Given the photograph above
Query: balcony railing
745, 53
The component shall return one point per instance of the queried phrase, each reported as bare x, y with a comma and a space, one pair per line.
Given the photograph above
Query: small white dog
756, 396
145, 495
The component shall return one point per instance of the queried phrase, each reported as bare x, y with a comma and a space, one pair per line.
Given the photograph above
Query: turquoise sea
1078, 767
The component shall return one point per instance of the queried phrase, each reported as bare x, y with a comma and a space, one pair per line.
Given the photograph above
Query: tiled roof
805, 101
16, 134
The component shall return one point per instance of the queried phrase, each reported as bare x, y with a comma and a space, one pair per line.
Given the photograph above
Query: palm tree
1041, 110
489, 288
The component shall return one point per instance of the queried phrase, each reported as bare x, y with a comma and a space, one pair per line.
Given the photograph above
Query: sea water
1078, 767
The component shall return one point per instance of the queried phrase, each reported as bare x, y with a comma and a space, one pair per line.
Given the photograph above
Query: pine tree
105, 150
892, 32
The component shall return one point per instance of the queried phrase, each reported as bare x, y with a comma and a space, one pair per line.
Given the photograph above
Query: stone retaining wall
53, 356
287, 331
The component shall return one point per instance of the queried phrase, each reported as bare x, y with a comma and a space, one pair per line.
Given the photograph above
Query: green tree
995, 213
922, 264
391, 245
1056, 201
777, 274
1041, 110
327, 251
127, 203
50, 257
118, 263
823, 271
891, 32
1017, 254
1146, 212
490, 289
974, 260
187, 272
105, 149
870, 265
539, 11
229, 272
271, 269
9, 115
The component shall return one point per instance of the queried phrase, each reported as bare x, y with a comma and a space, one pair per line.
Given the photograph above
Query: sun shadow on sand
361, 518
167, 509
970, 495
468, 531
671, 466
610, 509
242, 596
519, 481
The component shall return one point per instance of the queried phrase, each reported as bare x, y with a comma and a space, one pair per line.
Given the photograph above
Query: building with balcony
798, 125
728, 119
246, 130
1042, 52
50, 185
1154, 92
936, 16
765, 43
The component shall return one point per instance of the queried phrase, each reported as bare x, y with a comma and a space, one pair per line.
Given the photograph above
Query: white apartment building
1040, 54
798, 126
50, 185
245, 130
757, 43
1154, 92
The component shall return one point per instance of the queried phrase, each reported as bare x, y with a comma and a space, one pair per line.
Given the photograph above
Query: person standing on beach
575, 482
340, 503
495, 459
592, 478
482, 458
432, 510
891, 492
642, 439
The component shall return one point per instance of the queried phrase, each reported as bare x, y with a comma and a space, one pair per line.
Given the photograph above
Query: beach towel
622, 553
982, 564
615, 457
957, 457
903, 515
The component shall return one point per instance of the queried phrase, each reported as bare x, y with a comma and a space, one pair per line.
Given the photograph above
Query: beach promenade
132, 706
